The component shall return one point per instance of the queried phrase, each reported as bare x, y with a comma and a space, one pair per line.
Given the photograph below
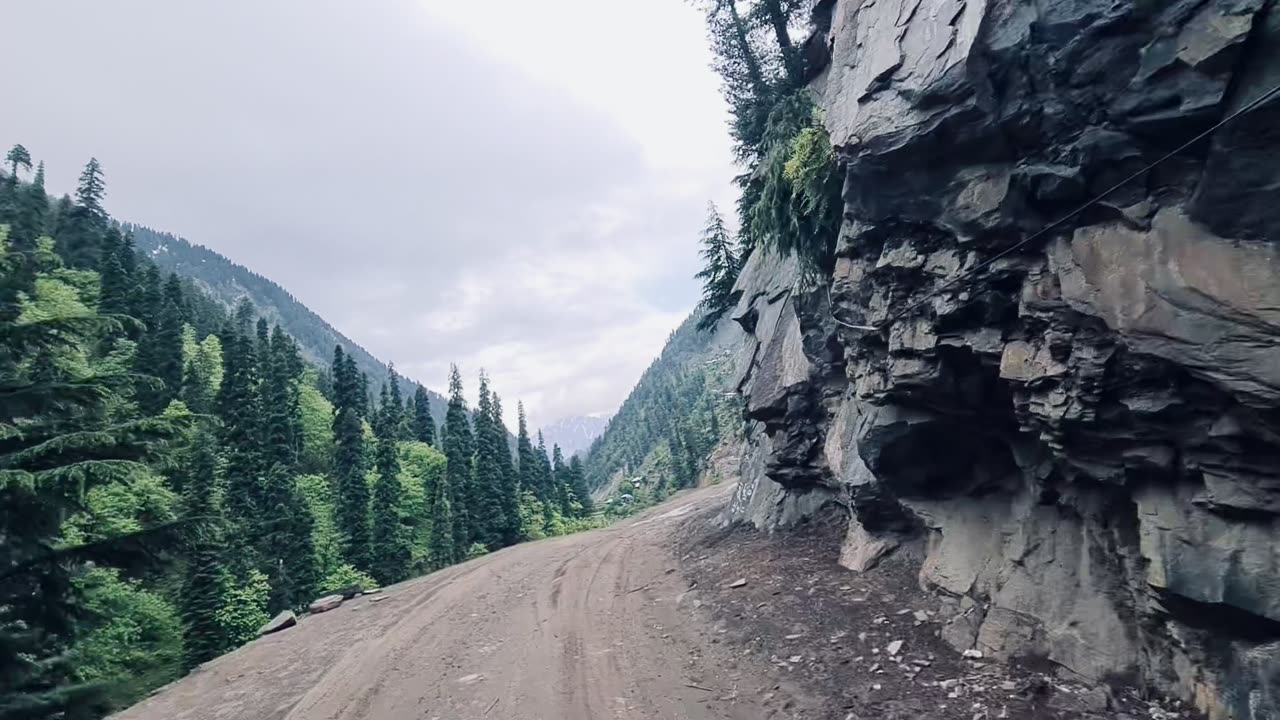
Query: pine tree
391, 547
18, 157
487, 517
165, 351
204, 578
58, 446
578, 480
113, 280
285, 546
749, 92
546, 481
86, 221
282, 370
530, 476
424, 426
282, 529
509, 479
243, 316
440, 543
23, 207
239, 407
353, 489
777, 16
563, 483
459, 452
720, 271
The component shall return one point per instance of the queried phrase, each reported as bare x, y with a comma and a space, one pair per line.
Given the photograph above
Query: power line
1250, 107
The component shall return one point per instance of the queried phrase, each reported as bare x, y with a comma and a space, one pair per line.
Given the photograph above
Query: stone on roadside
285, 619
324, 604
740, 582
972, 654
893, 648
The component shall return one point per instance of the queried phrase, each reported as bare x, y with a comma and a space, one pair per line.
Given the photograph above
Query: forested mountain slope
174, 472
229, 283
680, 410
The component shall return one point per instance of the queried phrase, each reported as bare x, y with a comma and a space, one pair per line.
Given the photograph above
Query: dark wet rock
1081, 438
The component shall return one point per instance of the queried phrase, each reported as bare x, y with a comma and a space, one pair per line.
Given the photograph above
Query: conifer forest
173, 473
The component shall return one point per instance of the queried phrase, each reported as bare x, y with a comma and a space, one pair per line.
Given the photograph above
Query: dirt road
594, 625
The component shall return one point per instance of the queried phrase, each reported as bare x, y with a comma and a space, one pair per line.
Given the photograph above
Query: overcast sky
504, 184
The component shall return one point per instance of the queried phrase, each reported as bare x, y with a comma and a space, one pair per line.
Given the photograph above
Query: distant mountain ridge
228, 282
575, 433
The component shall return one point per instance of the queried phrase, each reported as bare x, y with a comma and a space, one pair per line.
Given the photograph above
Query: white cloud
510, 184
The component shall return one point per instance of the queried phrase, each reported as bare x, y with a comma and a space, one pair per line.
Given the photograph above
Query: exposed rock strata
1083, 439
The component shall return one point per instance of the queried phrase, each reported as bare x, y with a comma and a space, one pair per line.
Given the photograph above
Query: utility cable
1250, 107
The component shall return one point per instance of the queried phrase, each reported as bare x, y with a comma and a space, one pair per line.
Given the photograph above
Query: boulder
286, 619
324, 604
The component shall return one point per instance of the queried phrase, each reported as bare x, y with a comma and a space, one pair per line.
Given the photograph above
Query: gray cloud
433, 200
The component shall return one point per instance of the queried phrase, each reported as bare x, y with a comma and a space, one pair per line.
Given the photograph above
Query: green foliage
459, 451
344, 576
244, 607
204, 579
392, 539
123, 508
423, 423
58, 444
476, 550
316, 426
223, 283
316, 493
533, 517
679, 401
719, 271
421, 469
132, 640
137, 414
17, 157
798, 208
353, 488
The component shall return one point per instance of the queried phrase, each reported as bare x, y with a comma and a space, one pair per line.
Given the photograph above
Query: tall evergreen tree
393, 411
749, 92
113, 279
441, 550
563, 482
509, 478
353, 489
546, 481
390, 545
282, 432
529, 473
164, 345
240, 410
57, 447
459, 451
79, 239
284, 525
285, 546
578, 480
17, 157
487, 517
424, 426
204, 578
720, 271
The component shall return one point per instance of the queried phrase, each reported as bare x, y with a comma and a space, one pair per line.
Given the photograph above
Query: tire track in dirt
541, 631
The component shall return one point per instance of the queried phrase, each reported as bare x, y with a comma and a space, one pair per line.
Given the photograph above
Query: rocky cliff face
1082, 439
